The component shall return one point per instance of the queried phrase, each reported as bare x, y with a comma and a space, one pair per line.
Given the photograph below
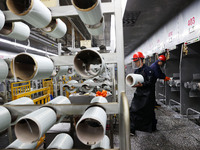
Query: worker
156, 67
142, 115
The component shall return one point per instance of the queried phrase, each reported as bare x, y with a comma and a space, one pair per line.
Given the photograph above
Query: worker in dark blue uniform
156, 67
142, 115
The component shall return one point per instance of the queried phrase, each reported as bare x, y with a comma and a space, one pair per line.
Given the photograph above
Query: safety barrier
48, 83
20, 87
40, 100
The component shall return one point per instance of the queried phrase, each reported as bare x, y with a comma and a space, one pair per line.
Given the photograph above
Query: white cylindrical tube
85, 60
5, 118
20, 101
61, 141
10, 75
133, 79
2, 18
17, 144
32, 11
62, 70
91, 15
32, 127
57, 28
71, 71
104, 144
28, 66
87, 87
91, 128
16, 30
70, 86
4, 70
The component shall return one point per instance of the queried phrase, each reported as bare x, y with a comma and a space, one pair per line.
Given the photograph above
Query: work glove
167, 78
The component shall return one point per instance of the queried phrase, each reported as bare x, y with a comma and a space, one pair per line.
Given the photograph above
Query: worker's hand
167, 78
138, 85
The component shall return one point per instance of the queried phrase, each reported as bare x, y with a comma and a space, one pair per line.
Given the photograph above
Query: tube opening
27, 131
24, 67
84, 4
19, 7
51, 26
90, 131
7, 29
85, 60
129, 80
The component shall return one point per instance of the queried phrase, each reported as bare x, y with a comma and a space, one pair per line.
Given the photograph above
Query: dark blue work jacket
157, 71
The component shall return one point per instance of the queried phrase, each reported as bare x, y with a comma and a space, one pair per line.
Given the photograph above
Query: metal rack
121, 106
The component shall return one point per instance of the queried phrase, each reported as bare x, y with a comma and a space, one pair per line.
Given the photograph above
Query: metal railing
40, 100
48, 83
20, 87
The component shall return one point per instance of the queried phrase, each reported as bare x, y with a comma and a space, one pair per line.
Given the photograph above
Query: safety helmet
138, 56
162, 58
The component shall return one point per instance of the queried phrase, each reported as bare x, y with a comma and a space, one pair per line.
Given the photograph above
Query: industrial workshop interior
100, 74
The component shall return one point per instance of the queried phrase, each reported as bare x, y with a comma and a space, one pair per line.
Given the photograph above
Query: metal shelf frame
120, 107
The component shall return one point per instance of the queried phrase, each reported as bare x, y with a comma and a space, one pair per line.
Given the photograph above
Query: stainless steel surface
124, 128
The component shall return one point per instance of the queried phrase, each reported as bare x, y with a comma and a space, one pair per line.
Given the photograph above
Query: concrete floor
174, 132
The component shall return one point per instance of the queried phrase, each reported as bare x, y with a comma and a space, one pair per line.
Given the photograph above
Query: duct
16, 30
10, 75
91, 127
20, 101
32, 127
5, 118
62, 70
90, 13
4, 70
71, 72
17, 144
104, 144
32, 11
57, 28
86, 61
61, 141
106, 85
70, 87
133, 79
2, 18
87, 87
28, 66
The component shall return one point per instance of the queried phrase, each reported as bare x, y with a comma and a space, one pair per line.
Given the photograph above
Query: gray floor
174, 132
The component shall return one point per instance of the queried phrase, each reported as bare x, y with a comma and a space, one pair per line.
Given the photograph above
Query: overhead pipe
61, 141
17, 144
29, 66
32, 11
91, 14
71, 86
57, 28
32, 127
133, 79
86, 60
2, 18
104, 144
16, 30
91, 127
87, 87
4, 70
6, 114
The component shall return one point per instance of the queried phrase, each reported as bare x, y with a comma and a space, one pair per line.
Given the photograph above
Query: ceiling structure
142, 18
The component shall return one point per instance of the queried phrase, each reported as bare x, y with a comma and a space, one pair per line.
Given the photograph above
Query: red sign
170, 34
191, 21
